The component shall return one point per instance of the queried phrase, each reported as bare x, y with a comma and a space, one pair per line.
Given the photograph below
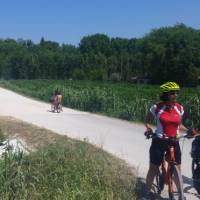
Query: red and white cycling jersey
168, 118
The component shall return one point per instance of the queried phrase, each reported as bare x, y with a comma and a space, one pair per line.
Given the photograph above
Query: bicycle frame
170, 169
167, 167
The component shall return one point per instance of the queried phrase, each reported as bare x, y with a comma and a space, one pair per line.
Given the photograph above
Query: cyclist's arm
183, 128
190, 131
148, 120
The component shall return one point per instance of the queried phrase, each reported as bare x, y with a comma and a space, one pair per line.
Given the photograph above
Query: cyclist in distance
168, 114
58, 101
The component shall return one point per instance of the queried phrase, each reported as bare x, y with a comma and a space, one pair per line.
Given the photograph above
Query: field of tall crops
121, 100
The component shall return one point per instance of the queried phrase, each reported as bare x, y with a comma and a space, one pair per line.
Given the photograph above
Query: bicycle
168, 170
58, 107
195, 154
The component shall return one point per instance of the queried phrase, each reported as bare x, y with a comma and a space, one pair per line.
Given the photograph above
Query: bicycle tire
193, 166
161, 182
59, 108
180, 192
170, 187
157, 184
196, 177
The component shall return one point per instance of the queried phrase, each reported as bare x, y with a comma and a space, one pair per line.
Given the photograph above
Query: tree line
166, 53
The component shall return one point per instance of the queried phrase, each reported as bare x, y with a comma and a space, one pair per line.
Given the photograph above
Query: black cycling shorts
159, 147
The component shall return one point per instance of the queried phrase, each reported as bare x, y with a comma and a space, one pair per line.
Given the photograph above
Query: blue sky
68, 21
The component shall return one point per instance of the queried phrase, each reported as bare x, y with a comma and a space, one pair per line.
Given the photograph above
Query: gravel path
121, 138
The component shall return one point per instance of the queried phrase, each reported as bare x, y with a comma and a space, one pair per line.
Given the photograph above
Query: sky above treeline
68, 21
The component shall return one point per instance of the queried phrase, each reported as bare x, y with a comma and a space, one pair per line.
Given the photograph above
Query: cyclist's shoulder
156, 107
179, 106
160, 105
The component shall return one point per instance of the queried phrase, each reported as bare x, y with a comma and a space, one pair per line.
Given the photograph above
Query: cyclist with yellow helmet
168, 114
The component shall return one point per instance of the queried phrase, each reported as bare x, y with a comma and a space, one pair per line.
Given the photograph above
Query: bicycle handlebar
178, 137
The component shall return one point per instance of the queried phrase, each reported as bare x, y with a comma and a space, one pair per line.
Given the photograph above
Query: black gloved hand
191, 132
148, 133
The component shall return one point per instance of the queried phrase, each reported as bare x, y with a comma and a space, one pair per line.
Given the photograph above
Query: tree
98, 43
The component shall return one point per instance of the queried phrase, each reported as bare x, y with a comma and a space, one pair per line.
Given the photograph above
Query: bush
115, 77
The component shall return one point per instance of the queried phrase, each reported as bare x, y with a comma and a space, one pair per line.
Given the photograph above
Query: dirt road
121, 138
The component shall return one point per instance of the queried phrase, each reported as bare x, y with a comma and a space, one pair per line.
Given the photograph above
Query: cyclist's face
173, 96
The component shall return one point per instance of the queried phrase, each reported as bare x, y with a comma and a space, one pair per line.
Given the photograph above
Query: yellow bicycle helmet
169, 86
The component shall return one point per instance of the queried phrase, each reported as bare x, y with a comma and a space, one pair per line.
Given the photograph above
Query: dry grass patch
35, 137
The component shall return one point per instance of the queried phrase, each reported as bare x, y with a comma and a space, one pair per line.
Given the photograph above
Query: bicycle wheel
196, 177
193, 166
175, 172
157, 185
59, 108
170, 185
160, 182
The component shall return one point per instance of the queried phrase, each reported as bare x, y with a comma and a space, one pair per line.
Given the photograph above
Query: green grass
62, 169
121, 100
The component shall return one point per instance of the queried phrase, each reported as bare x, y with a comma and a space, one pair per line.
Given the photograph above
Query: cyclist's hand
191, 132
148, 133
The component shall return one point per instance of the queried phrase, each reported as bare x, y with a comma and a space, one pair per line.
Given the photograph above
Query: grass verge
61, 168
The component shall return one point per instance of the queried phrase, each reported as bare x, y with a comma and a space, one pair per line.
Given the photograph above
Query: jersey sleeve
182, 111
153, 109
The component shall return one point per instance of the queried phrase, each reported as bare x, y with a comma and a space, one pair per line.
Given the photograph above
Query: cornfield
121, 100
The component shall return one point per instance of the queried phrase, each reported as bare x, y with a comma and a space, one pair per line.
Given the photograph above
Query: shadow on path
53, 111
188, 189
141, 190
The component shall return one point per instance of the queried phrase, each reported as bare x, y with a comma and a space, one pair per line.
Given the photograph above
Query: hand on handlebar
191, 132
148, 133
